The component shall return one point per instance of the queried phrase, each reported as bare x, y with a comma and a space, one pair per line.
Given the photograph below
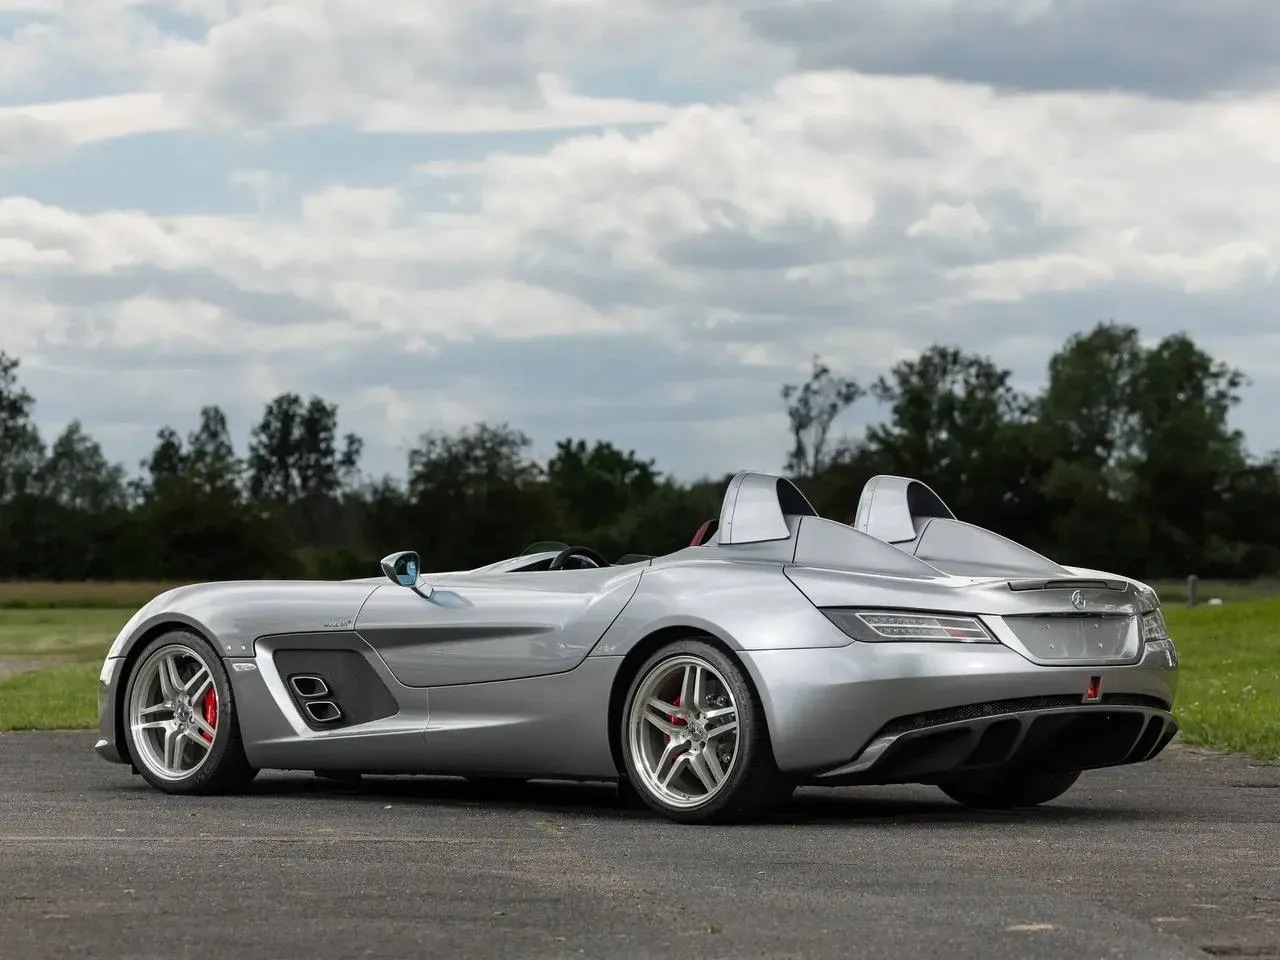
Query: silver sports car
779, 649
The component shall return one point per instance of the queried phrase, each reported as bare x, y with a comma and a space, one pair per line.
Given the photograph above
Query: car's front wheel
180, 724
1007, 789
695, 742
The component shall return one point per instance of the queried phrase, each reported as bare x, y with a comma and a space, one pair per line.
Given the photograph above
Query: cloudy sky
631, 219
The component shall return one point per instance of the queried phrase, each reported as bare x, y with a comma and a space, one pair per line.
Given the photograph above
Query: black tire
225, 769
1007, 789
753, 785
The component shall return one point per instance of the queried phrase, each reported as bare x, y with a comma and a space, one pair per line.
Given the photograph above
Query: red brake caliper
675, 721
210, 707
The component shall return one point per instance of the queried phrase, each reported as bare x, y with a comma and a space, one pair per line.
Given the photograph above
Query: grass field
1229, 696
49, 663
24, 595
56, 698
1174, 592
1229, 693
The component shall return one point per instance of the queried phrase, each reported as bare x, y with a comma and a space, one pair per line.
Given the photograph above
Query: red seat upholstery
705, 533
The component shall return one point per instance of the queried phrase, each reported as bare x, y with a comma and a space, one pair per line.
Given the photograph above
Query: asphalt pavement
1179, 857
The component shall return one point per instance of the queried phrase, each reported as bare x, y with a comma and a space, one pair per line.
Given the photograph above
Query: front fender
234, 614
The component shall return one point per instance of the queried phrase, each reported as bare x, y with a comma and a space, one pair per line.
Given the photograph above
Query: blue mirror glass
407, 574
402, 568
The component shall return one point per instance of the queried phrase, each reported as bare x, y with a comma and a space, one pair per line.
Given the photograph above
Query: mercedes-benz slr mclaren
779, 649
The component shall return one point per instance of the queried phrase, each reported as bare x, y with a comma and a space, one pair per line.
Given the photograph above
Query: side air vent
323, 711
307, 686
333, 688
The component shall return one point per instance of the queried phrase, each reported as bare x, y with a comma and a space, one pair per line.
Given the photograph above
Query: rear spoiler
1068, 583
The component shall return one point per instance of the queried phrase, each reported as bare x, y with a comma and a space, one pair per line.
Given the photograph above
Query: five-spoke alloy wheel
179, 724
694, 737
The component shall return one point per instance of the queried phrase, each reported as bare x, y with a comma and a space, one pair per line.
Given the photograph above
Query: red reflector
1094, 692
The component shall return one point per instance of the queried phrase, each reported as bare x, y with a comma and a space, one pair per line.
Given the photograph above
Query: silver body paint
512, 670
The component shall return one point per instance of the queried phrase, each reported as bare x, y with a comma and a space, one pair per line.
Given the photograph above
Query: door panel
494, 626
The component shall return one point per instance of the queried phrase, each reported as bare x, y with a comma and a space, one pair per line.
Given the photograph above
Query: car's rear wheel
180, 723
695, 742
1007, 789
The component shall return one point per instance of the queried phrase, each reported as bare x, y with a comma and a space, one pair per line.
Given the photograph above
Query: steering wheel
563, 557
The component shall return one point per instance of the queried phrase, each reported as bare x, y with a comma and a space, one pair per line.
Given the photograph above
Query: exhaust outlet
323, 711
307, 686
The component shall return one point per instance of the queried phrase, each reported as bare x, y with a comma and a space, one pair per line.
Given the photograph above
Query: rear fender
746, 605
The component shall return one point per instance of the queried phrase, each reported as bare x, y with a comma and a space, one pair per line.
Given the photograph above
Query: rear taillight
1154, 627
880, 626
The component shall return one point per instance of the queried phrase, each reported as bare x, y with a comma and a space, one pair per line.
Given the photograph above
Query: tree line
1124, 460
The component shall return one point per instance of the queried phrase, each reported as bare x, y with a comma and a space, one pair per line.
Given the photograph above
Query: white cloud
33, 132
65, 124
1052, 191
949, 221
1177, 48
28, 140
109, 38
556, 109
455, 66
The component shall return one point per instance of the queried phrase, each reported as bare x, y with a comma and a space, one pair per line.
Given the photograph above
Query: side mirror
402, 569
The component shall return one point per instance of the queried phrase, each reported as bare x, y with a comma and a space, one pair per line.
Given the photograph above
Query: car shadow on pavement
809, 806
876, 804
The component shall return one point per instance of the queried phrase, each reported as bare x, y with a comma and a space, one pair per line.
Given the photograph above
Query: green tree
1189, 456
21, 449
1143, 456
475, 496
21, 457
597, 483
812, 409
957, 423
75, 519
274, 451
297, 469
195, 520
1127, 460
77, 475
664, 521
1088, 413
1249, 514
210, 462
294, 451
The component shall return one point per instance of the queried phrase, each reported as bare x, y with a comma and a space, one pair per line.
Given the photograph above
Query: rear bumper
948, 743
911, 712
